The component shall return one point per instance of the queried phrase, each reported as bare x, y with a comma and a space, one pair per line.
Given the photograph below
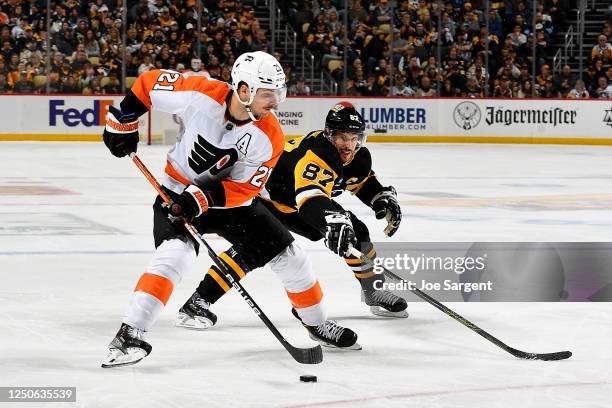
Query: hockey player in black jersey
311, 171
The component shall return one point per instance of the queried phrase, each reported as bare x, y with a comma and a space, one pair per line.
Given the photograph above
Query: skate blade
355, 346
197, 323
379, 311
116, 358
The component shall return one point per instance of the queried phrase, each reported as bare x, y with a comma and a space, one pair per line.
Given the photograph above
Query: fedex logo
73, 117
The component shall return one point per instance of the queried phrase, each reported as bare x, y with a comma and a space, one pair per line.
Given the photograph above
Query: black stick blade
313, 355
560, 355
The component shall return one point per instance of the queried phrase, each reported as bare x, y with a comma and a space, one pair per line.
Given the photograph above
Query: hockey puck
308, 378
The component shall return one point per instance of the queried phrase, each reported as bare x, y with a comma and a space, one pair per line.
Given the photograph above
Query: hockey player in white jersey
230, 144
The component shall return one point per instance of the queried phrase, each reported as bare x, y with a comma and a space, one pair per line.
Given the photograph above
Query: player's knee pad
172, 260
294, 269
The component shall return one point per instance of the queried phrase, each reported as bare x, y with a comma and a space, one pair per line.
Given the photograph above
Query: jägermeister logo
608, 117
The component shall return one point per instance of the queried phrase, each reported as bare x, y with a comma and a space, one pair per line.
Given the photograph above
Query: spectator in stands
325, 8
383, 13
565, 81
517, 36
20, 80
545, 74
35, 65
607, 31
598, 64
146, 65
509, 69
472, 88
66, 44
299, 88
94, 87
70, 85
602, 50
527, 90
603, 89
447, 89
113, 86
590, 76
558, 11
92, 47
425, 88
579, 91
549, 90
400, 88
503, 89
371, 87
238, 43
4, 86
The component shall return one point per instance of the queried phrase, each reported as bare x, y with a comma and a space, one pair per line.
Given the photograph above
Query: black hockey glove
339, 233
121, 132
190, 204
385, 205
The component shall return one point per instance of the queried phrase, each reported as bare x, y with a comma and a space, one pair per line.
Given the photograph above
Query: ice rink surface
75, 235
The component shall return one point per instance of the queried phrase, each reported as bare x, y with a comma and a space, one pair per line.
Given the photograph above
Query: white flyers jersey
212, 150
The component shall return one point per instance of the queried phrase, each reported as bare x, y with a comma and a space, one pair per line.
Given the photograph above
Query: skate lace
201, 303
134, 332
383, 296
330, 330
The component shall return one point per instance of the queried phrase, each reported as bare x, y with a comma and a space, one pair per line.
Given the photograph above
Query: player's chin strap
247, 106
560, 355
313, 355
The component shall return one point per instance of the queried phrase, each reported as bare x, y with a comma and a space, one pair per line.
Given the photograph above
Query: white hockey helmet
258, 70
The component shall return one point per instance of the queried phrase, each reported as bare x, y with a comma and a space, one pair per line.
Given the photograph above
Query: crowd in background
427, 48
391, 47
86, 41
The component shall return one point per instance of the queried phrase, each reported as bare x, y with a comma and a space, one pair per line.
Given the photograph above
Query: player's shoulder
361, 164
213, 88
363, 156
271, 128
168, 80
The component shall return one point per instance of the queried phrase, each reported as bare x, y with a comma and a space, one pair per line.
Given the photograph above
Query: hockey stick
313, 355
560, 355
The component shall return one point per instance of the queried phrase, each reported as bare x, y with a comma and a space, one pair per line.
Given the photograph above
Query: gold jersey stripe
235, 267
218, 279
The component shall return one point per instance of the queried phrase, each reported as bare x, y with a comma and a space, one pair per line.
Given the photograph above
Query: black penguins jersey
309, 173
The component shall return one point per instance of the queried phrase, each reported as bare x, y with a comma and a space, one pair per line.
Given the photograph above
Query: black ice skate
127, 348
331, 334
385, 303
195, 314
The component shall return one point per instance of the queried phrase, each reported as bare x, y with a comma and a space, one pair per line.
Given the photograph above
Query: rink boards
392, 119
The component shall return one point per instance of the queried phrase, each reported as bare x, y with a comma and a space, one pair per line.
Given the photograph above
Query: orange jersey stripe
237, 193
173, 81
172, 172
307, 298
155, 285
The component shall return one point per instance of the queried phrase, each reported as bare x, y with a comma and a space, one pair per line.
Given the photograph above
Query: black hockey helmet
343, 117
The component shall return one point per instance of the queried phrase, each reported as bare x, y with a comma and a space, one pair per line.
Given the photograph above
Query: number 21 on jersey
166, 76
